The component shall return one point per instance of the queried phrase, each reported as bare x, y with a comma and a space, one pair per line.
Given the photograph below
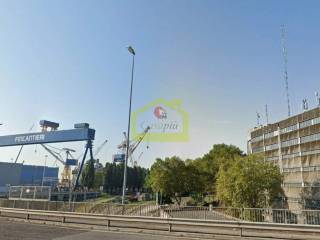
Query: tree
98, 179
249, 182
310, 195
221, 155
113, 174
172, 177
88, 174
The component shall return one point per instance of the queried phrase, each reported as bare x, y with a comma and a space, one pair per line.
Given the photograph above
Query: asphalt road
12, 230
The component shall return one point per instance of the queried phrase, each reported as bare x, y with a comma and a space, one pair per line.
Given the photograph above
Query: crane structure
98, 165
51, 134
132, 147
66, 175
21, 147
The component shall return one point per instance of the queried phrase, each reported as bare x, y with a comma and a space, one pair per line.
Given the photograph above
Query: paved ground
12, 230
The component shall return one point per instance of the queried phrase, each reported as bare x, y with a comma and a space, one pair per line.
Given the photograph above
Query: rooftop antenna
318, 98
285, 63
258, 119
267, 114
305, 104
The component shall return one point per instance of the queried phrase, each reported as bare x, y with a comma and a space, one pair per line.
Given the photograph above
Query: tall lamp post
131, 50
44, 171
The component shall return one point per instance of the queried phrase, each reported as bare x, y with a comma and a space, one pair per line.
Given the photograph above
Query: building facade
294, 145
15, 174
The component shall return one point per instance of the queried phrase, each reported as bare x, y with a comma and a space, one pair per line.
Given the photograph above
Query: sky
67, 61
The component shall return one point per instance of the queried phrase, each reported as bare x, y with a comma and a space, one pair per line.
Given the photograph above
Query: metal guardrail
263, 215
188, 226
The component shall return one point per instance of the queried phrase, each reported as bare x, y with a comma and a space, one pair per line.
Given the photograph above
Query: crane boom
100, 148
137, 143
20, 150
54, 154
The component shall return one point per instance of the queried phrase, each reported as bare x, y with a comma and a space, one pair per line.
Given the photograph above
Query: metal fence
263, 215
30, 192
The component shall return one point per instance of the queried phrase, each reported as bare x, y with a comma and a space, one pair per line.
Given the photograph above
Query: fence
260, 215
30, 192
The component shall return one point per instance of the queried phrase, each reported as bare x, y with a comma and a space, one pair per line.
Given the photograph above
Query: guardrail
309, 217
188, 226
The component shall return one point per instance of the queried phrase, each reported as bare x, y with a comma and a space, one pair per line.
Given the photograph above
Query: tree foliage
221, 155
172, 177
88, 175
248, 182
113, 174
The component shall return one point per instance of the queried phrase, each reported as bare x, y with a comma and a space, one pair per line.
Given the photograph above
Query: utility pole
131, 50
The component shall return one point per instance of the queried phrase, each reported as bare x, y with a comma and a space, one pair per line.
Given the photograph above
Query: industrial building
294, 145
15, 174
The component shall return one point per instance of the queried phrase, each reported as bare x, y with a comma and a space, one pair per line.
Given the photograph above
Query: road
13, 230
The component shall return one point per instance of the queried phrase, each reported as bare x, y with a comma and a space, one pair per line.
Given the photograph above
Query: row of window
258, 149
271, 134
304, 169
273, 158
257, 139
288, 129
272, 147
311, 152
296, 154
300, 184
292, 155
292, 184
290, 142
311, 138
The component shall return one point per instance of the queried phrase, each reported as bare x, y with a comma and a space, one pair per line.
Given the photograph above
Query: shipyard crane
20, 150
132, 147
66, 175
97, 165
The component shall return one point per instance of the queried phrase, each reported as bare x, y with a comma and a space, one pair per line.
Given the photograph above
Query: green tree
98, 179
88, 174
248, 182
172, 177
221, 155
113, 175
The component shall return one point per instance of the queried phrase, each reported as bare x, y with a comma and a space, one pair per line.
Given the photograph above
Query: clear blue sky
66, 61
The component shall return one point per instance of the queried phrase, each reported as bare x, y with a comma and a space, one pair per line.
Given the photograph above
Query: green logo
166, 120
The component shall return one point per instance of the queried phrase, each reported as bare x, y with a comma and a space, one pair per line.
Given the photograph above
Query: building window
257, 150
311, 152
292, 155
289, 129
290, 142
271, 134
310, 138
257, 139
271, 147
306, 123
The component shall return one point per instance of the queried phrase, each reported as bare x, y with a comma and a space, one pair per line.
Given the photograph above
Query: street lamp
131, 50
44, 171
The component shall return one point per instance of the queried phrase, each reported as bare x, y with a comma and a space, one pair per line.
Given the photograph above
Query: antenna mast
258, 119
267, 114
318, 98
285, 63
